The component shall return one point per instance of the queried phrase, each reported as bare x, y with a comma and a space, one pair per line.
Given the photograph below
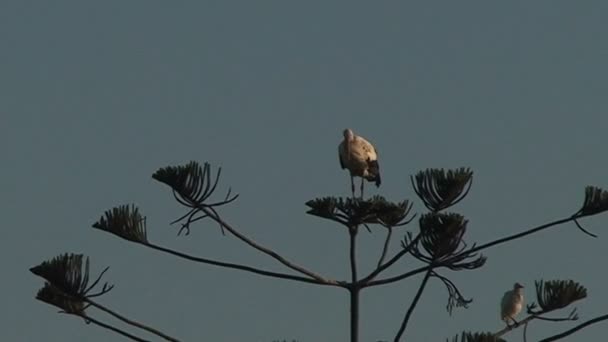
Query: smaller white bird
512, 303
360, 158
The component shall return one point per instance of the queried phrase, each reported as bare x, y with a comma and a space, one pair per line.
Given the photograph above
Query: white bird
360, 158
512, 303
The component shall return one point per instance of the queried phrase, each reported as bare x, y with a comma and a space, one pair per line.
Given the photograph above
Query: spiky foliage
52, 295
441, 239
65, 272
441, 234
596, 201
67, 283
192, 187
352, 212
439, 189
476, 337
124, 221
556, 294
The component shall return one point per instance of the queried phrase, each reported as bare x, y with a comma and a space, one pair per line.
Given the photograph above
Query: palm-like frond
556, 294
439, 189
66, 273
596, 201
441, 234
124, 221
352, 212
192, 187
54, 296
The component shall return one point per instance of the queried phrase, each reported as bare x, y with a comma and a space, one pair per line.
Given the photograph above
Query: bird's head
348, 134
518, 286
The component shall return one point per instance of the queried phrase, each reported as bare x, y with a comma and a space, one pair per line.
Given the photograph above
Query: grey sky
95, 96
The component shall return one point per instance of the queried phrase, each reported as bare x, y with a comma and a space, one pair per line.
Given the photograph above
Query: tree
439, 242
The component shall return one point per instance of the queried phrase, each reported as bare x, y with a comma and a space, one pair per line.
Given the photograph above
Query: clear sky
95, 96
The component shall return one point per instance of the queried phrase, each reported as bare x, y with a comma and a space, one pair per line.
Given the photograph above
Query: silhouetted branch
385, 246
109, 327
406, 248
473, 250
132, 322
353, 286
192, 187
244, 268
410, 310
583, 229
119, 225
575, 329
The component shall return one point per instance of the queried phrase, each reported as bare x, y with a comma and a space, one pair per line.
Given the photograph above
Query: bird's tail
374, 172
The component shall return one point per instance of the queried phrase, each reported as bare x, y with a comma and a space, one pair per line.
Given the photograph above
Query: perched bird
512, 303
360, 158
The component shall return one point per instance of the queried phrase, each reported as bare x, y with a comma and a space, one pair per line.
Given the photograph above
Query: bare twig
583, 229
109, 327
385, 247
131, 322
410, 310
245, 268
470, 251
378, 270
575, 329
261, 248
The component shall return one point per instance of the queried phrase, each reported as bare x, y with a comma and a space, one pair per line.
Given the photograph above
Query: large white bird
360, 158
512, 303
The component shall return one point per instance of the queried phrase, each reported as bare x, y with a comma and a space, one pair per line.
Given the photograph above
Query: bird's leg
362, 179
509, 320
352, 185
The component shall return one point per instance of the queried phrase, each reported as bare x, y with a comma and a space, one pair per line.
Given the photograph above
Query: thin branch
525, 321
526, 332
109, 327
583, 229
470, 251
96, 280
261, 248
575, 329
244, 268
131, 322
378, 270
385, 248
410, 310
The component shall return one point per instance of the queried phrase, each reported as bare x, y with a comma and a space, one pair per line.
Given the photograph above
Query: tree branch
109, 327
261, 248
385, 247
575, 329
410, 310
131, 322
245, 268
354, 286
378, 270
470, 251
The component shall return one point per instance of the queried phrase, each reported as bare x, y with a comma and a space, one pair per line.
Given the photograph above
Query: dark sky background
95, 96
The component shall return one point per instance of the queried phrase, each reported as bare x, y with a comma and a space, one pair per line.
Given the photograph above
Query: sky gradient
95, 96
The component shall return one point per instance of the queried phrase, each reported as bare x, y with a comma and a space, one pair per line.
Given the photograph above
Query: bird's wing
505, 302
341, 154
368, 148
